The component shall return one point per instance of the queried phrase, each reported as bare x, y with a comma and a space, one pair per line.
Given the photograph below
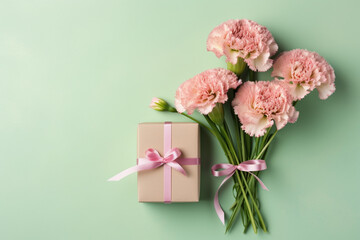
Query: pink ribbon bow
228, 171
153, 160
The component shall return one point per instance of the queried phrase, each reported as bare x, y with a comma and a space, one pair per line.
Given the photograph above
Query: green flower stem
238, 68
264, 139
248, 144
251, 187
254, 205
221, 140
266, 145
225, 130
227, 138
255, 150
251, 75
231, 160
218, 136
234, 204
239, 198
238, 205
262, 223
222, 129
243, 145
246, 202
252, 182
235, 209
237, 135
200, 123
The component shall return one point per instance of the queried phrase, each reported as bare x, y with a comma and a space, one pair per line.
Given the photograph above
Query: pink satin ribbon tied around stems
228, 171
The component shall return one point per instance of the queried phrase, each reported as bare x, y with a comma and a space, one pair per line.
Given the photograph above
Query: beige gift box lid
186, 137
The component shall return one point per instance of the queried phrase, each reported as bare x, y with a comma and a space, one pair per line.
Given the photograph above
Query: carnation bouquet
256, 110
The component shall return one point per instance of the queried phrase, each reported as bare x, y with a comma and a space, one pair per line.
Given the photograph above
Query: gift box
166, 183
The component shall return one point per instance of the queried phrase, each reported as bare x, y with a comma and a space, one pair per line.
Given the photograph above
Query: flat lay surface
76, 79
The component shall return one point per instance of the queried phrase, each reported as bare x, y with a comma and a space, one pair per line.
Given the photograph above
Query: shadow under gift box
186, 137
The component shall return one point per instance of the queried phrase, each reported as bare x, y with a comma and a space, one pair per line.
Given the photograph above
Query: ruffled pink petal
325, 90
293, 115
304, 71
179, 107
280, 68
262, 63
203, 91
257, 126
206, 109
215, 45
231, 55
273, 47
260, 104
281, 121
298, 92
246, 39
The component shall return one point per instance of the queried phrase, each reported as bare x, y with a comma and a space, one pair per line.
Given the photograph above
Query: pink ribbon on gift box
229, 170
154, 160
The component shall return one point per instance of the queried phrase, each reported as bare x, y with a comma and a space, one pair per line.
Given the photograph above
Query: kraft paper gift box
152, 187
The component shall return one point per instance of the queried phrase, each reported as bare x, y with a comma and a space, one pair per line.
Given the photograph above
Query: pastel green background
76, 78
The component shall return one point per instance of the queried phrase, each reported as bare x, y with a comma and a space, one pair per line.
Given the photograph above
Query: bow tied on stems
228, 171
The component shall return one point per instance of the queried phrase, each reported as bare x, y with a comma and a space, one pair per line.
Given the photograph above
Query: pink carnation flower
246, 39
203, 91
259, 104
303, 71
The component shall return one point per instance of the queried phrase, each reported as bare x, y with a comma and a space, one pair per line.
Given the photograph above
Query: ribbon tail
261, 183
177, 167
134, 169
217, 205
